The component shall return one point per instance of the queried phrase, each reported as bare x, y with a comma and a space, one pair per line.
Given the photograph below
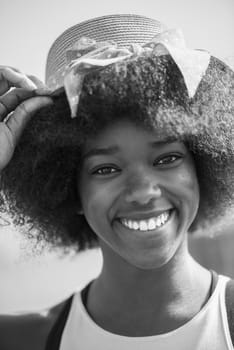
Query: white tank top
208, 330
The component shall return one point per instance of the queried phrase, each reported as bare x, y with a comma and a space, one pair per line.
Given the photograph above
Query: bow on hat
87, 56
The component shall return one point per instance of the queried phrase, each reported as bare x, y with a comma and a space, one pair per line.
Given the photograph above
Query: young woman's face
138, 194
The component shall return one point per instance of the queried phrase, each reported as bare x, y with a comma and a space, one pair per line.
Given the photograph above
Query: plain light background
27, 30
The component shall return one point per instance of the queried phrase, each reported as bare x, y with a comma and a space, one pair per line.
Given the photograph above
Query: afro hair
40, 182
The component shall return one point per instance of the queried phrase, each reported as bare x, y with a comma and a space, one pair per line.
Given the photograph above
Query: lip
144, 215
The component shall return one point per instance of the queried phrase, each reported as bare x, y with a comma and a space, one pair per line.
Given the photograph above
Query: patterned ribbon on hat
87, 56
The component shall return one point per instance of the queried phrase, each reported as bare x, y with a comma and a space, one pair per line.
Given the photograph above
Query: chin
150, 263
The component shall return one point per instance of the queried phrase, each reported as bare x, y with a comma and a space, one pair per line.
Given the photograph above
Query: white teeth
146, 225
143, 225
160, 221
151, 224
130, 225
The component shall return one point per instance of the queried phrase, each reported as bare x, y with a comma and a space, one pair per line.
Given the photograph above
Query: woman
145, 160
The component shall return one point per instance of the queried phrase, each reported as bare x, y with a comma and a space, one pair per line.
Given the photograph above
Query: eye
105, 170
170, 159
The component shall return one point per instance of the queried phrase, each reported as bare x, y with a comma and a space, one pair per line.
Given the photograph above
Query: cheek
94, 200
188, 178
96, 204
190, 188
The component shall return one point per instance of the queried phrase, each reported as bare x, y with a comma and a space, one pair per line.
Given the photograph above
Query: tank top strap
229, 301
55, 335
214, 281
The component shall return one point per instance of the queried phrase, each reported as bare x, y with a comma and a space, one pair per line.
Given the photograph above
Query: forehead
127, 134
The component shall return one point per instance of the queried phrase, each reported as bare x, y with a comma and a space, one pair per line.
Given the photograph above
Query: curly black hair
40, 183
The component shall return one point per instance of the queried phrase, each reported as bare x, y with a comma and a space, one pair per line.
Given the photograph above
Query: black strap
55, 335
84, 293
214, 281
229, 299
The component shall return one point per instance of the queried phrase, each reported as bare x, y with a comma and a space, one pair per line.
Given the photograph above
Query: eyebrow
101, 151
115, 149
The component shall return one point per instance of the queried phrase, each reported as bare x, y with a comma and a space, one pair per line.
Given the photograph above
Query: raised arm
20, 97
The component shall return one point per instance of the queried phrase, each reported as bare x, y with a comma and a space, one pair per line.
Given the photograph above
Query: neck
161, 299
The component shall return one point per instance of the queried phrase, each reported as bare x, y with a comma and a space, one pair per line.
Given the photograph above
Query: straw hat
124, 29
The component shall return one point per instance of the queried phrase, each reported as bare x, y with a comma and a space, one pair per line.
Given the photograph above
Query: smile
147, 225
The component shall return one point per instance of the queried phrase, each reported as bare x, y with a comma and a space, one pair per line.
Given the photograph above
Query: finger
18, 120
12, 99
13, 68
9, 78
39, 84
41, 87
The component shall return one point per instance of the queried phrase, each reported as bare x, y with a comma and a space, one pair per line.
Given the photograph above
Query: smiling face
138, 193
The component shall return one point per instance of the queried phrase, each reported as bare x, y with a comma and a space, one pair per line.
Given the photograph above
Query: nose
142, 189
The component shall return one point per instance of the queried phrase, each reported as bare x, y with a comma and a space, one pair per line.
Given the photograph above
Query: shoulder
28, 331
